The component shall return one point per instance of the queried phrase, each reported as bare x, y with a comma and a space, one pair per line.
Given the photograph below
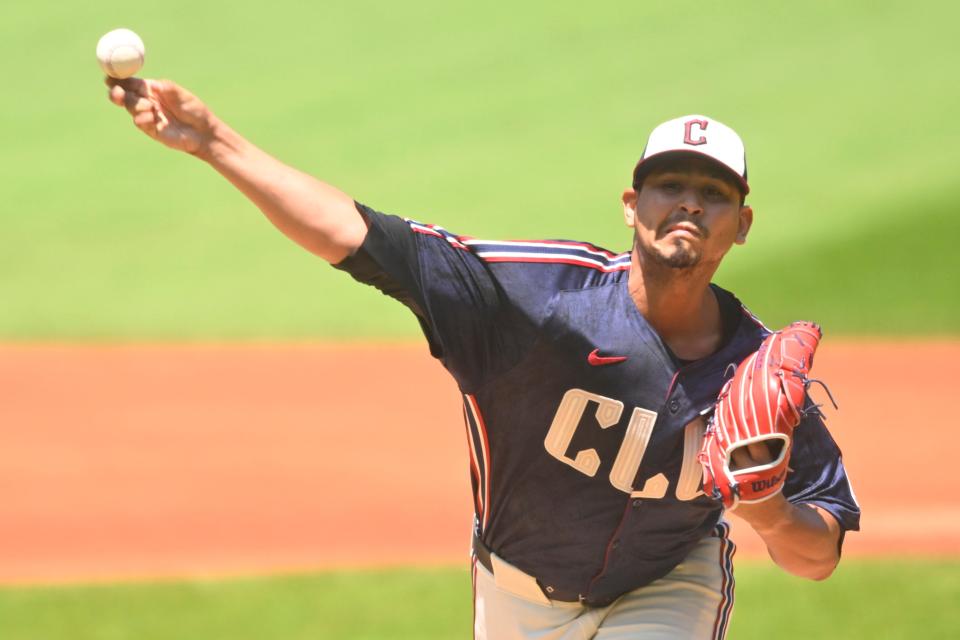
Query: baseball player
602, 461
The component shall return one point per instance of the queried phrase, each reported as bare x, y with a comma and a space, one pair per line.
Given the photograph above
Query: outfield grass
899, 276
507, 123
876, 599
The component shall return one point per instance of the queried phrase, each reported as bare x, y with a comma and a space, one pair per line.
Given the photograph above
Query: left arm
802, 539
747, 451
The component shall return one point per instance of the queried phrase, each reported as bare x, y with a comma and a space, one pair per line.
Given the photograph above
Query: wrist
218, 143
765, 516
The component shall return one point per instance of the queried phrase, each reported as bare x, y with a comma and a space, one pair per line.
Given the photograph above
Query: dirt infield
122, 462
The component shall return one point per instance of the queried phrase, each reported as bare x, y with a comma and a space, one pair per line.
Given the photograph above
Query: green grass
519, 120
875, 599
903, 268
370, 605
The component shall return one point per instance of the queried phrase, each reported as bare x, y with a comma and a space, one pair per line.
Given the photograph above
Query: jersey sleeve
818, 476
468, 318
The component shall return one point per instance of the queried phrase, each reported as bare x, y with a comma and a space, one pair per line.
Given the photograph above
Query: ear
629, 199
746, 221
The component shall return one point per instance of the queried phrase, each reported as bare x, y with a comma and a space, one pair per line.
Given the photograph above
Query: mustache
677, 219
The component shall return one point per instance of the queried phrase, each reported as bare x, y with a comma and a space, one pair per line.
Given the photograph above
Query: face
687, 213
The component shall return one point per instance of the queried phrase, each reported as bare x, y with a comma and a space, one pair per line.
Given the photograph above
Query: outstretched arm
315, 215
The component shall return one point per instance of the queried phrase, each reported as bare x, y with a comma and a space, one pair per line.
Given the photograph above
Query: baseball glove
761, 404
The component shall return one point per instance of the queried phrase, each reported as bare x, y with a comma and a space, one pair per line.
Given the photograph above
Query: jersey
582, 425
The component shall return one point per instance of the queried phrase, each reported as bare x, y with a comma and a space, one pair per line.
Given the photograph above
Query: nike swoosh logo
598, 361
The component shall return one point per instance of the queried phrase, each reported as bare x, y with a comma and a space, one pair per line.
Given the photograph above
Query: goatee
682, 257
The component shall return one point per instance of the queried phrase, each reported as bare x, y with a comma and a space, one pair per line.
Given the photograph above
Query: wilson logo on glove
767, 483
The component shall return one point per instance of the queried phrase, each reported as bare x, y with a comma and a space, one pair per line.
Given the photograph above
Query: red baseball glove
761, 404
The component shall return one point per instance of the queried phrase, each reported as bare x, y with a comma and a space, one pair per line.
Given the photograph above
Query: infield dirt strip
147, 461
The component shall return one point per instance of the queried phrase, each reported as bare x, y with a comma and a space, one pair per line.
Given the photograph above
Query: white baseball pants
692, 602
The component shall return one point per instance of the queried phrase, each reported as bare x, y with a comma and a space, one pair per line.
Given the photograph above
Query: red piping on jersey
584, 245
606, 553
566, 243
481, 425
578, 263
425, 229
477, 501
430, 232
752, 317
673, 381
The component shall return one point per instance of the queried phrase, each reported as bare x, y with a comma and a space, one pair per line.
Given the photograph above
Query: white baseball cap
700, 135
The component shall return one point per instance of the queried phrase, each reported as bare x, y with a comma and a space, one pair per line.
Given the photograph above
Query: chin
679, 258
674, 255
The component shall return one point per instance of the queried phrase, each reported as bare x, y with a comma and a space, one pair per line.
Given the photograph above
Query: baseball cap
699, 135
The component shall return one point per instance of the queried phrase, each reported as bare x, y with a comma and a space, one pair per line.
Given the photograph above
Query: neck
678, 304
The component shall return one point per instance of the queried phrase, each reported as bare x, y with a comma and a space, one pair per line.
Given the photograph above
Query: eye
715, 193
671, 186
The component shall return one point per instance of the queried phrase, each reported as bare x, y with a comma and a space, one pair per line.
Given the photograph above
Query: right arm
320, 218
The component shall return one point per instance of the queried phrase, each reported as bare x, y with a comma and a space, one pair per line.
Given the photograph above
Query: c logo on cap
688, 129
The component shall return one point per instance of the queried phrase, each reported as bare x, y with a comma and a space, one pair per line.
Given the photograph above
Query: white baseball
120, 53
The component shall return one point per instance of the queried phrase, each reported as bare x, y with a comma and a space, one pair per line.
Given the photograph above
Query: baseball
120, 53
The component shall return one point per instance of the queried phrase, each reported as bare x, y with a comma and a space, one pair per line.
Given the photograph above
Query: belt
511, 579
482, 552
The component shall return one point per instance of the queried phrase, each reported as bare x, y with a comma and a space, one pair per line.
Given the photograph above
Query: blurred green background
519, 120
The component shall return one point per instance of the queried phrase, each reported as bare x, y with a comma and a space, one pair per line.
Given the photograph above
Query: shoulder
527, 272
571, 253
549, 252
533, 272
531, 253
540, 264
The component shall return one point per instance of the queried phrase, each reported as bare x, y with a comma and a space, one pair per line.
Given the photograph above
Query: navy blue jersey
583, 426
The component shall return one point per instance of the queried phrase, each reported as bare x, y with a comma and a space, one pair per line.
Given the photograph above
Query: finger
172, 96
168, 89
146, 117
132, 84
760, 452
146, 122
128, 85
116, 95
740, 459
169, 93
135, 103
750, 455
142, 104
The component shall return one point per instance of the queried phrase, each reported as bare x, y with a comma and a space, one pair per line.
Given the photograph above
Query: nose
690, 202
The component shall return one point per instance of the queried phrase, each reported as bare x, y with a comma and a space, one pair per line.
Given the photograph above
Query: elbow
809, 567
823, 573
817, 570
